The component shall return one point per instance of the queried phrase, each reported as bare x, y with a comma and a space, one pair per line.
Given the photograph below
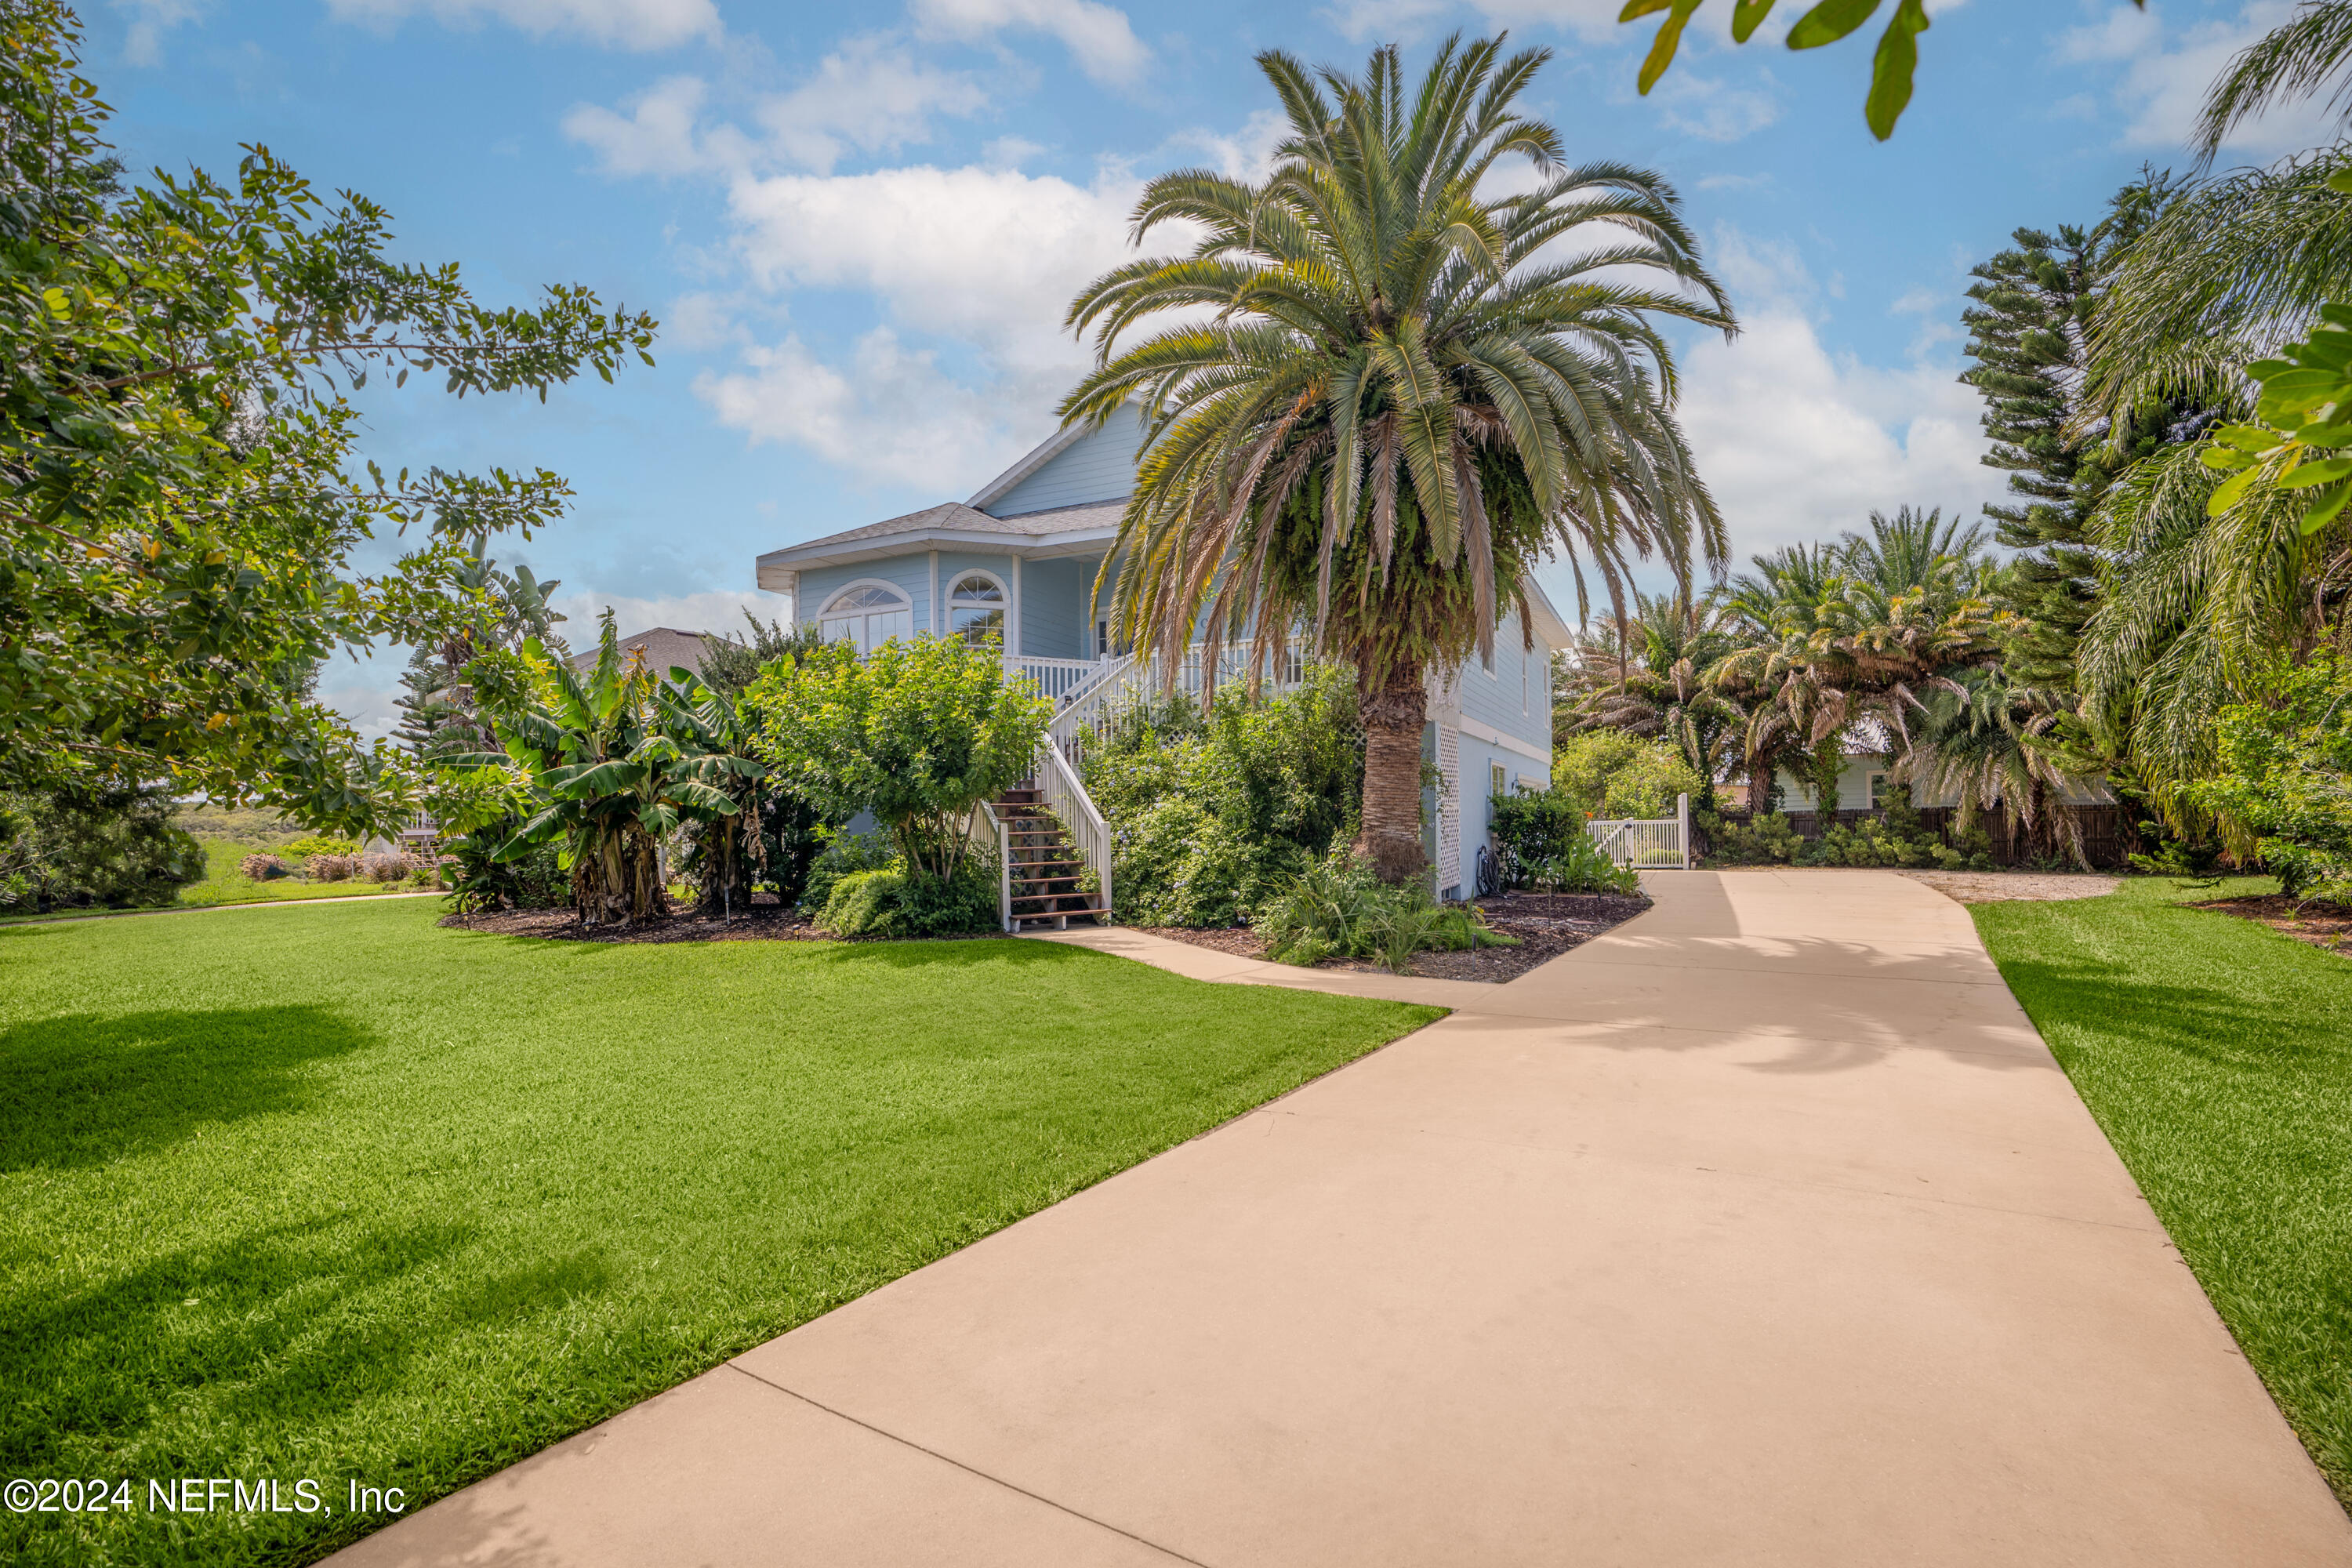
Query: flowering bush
261, 867
332, 867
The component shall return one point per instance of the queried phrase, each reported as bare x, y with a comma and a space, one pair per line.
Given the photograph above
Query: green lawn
2218, 1056
225, 884
338, 1195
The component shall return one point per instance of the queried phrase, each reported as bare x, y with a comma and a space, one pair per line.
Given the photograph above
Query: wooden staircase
1043, 865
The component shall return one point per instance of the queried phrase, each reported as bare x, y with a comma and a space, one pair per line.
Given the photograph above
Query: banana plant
602, 770
773, 832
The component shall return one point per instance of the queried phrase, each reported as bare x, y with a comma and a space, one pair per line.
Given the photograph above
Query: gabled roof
1065, 530
1052, 447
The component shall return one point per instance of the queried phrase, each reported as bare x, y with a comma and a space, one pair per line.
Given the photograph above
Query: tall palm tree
2195, 608
2226, 271
2308, 53
1395, 384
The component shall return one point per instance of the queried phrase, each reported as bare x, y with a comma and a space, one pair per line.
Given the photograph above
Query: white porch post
1013, 632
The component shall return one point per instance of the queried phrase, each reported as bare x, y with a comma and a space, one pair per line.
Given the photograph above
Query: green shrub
479, 881
1897, 837
1613, 775
117, 848
848, 853
2283, 765
1766, 840
918, 732
1338, 908
1213, 813
319, 843
1533, 826
863, 903
894, 901
1578, 866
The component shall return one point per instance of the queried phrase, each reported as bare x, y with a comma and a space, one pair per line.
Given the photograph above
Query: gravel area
2002, 886
1546, 925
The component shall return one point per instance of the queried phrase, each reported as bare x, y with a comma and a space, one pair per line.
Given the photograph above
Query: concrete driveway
1763, 1230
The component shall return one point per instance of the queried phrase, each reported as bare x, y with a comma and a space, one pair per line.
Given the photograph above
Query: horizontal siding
910, 574
1054, 622
1517, 698
1098, 466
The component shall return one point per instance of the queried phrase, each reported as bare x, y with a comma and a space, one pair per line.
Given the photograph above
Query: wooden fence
2105, 840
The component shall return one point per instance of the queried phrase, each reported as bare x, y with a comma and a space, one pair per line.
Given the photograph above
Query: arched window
976, 608
866, 615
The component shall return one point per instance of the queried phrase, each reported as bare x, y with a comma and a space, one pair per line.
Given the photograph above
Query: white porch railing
1124, 682
1647, 844
1058, 679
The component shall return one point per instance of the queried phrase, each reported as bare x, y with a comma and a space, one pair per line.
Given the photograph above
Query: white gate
1647, 844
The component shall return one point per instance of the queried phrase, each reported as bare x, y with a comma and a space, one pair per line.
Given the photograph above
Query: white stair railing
1089, 836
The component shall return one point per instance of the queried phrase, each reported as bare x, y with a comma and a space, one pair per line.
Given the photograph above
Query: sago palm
1856, 633
1396, 385
1645, 673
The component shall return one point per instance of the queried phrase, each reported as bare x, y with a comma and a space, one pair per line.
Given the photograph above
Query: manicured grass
336, 1194
2218, 1056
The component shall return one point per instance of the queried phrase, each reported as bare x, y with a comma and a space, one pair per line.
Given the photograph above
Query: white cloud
719, 610
1798, 443
1096, 35
2166, 71
867, 96
1381, 20
1709, 110
891, 415
985, 257
655, 137
627, 24
1734, 182
142, 45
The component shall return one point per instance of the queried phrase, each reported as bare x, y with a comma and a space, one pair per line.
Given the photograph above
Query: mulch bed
1547, 925
760, 923
2328, 926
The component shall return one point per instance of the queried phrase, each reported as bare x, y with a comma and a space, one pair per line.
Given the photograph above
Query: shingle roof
957, 518
660, 648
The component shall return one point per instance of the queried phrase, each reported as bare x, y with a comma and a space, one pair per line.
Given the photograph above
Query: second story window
867, 617
976, 608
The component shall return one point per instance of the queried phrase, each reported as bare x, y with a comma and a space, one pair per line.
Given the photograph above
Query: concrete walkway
1763, 1230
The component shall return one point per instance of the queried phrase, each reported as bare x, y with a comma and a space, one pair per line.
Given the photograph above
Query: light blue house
1017, 561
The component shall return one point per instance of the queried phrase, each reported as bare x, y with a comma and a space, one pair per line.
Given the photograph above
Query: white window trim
1005, 602
904, 604
905, 601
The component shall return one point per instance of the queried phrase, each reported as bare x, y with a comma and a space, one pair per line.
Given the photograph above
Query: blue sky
860, 223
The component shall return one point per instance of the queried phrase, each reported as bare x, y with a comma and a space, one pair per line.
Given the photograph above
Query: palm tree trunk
1394, 712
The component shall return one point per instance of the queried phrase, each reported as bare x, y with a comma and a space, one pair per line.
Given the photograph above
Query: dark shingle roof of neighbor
662, 647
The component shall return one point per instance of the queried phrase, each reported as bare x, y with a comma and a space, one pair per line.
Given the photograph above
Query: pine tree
437, 706
2033, 303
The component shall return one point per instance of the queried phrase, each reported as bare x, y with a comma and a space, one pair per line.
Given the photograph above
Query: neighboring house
660, 650
1018, 563
1863, 784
